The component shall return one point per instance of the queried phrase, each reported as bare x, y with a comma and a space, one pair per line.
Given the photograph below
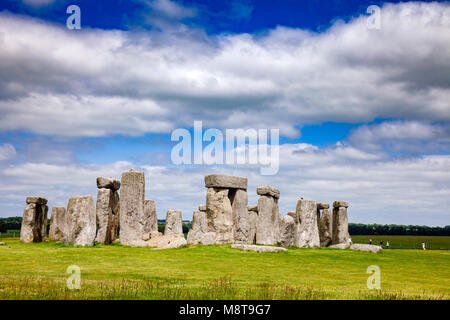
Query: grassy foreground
38, 271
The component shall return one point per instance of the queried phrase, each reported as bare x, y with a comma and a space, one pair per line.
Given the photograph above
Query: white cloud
7, 151
280, 78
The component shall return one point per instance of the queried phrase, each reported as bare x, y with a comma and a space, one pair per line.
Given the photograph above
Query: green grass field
407, 242
38, 271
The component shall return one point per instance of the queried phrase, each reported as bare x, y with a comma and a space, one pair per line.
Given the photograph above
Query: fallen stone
132, 217
168, 241
252, 220
268, 191
325, 228
322, 205
225, 181
239, 201
337, 204
36, 200
80, 221
108, 183
340, 246
287, 232
365, 247
307, 235
57, 224
220, 215
250, 247
174, 223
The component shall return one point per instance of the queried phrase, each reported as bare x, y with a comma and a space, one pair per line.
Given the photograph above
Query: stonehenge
226, 208
107, 210
34, 220
57, 224
80, 227
268, 221
225, 218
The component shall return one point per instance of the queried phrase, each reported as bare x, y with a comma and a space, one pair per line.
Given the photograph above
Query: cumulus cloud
282, 78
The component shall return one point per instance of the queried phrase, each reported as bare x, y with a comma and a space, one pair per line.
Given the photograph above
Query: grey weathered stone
323, 205
268, 191
202, 207
268, 223
307, 235
220, 215
325, 228
57, 224
340, 224
365, 247
340, 246
150, 219
339, 203
252, 208
80, 221
225, 181
252, 220
239, 201
108, 183
287, 232
36, 200
250, 247
170, 241
107, 211
34, 220
132, 217
199, 228
174, 223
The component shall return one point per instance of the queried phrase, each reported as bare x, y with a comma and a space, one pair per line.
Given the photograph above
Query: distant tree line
397, 230
14, 223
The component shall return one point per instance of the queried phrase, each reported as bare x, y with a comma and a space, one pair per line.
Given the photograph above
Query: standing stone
225, 181
174, 223
307, 228
150, 219
252, 220
268, 223
220, 215
107, 210
325, 228
132, 217
80, 221
199, 231
287, 231
34, 220
340, 223
239, 200
57, 224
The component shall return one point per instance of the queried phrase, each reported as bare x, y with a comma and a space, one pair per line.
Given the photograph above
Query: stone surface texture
307, 235
34, 220
57, 224
287, 232
174, 222
225, 181
80, 221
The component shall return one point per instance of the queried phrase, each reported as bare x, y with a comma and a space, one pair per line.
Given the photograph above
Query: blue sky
363, 113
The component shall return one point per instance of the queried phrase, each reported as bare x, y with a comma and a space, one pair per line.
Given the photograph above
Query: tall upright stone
34, 220
80, 221
340, 223
199, 234
57, 224
132, 208
269, 219
174, 223
239, 201
307, 235
150, 218
326, 228
220, 215
252, 221
287, 232
107, 210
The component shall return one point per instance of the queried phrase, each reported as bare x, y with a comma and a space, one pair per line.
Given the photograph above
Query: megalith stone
57, 224
252, 220
150, 219
220, 215
174, 223
307, 227
80, 221
225, 182
268, 191
170, 241
259, 249
107, 213
268, 223
239, 201
108, 183
202, 207
287, 232
197, 233
366, 247
34, 220
325, 228
132, 217
340, 223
